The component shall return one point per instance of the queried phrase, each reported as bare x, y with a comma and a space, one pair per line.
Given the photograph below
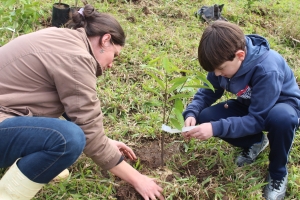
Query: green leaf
152, 62
10, 29
175, 123
10, 3
176, 83
178, 105
196, 86
153, 103
158, 80
179, 117
153, 69
166, 65
23, 3
203, 78
177, 96
257, 187
145, 87
186, 148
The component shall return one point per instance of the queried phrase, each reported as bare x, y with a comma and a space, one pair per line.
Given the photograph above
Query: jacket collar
89, 48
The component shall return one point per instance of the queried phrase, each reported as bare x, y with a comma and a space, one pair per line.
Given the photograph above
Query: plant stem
164, 118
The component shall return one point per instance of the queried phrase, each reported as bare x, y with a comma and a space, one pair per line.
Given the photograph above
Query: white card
170, 130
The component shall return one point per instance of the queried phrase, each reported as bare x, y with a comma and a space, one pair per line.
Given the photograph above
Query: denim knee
75, 142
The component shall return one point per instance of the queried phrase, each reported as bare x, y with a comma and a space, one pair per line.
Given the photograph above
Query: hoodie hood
256, 47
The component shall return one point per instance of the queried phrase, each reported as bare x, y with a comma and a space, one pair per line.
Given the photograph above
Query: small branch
12, 36
295, 39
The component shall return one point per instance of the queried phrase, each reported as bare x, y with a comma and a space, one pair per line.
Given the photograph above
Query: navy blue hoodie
263, 79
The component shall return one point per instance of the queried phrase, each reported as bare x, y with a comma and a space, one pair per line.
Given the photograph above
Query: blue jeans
281, 124
46, 146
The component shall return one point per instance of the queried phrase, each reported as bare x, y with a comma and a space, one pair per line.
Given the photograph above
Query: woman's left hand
124, 149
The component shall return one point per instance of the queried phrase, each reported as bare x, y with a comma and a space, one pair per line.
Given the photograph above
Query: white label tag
170, 130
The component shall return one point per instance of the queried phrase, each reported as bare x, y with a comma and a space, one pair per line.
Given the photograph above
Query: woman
45, 74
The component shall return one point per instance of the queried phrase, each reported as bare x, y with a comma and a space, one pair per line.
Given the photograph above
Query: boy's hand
201, 132
190, 121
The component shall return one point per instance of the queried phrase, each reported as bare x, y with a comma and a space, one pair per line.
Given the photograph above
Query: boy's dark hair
219, 43
98, 24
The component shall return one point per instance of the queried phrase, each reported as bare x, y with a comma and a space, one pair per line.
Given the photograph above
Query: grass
133, 115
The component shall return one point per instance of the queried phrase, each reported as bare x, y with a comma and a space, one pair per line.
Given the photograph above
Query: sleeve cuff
121, 159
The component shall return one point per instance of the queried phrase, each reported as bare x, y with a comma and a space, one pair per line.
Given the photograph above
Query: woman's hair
219, 43
97, 24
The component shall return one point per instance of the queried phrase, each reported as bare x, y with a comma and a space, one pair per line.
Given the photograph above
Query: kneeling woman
43, 75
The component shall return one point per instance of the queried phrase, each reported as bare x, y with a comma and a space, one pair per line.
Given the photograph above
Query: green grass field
168, 29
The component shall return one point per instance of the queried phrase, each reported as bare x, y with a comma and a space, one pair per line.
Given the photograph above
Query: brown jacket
52, 71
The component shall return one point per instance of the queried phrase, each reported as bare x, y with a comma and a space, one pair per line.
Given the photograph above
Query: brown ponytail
98, 24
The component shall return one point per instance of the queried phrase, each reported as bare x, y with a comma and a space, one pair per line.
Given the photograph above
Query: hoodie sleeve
204, 98
265, 92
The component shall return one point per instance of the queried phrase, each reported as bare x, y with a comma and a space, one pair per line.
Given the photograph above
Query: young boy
268, 99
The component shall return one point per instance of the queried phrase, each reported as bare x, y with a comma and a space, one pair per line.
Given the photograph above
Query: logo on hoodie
245, 93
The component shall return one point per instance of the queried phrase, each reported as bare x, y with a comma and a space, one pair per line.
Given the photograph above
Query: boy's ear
241, 54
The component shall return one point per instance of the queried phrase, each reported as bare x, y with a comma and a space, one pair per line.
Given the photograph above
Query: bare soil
149, 154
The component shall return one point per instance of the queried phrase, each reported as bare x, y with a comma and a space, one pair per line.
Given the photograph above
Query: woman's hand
147, 187
124, 149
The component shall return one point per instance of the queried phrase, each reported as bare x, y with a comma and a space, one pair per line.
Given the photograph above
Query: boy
268, 99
